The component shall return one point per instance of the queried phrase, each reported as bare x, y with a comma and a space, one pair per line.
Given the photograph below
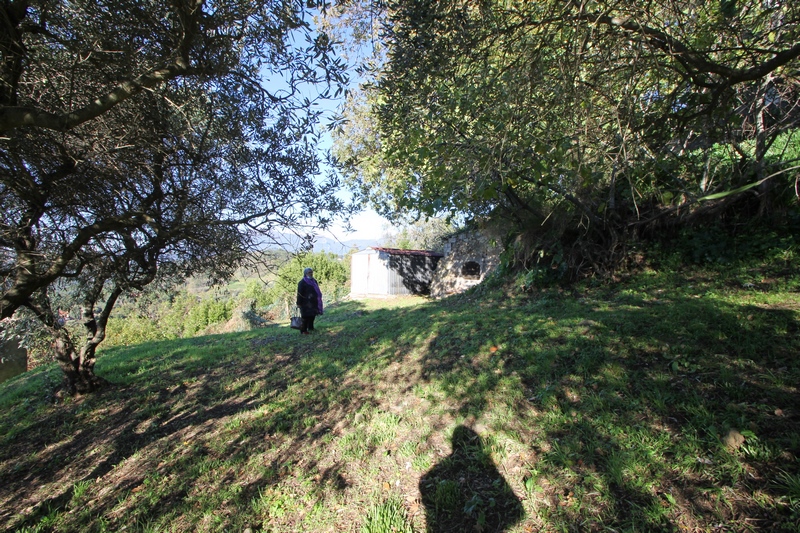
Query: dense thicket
584, 125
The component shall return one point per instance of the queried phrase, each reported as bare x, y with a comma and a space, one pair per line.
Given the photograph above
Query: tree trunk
78, 369
83, 378
764, 139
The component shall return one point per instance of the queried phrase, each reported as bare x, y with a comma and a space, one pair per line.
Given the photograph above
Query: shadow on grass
623, 404
466, 492
632, 402
168, 431
635, 397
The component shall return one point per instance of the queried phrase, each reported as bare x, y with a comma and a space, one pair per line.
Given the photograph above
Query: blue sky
368, 224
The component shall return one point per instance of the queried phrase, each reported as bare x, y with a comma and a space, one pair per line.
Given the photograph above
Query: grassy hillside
666, 402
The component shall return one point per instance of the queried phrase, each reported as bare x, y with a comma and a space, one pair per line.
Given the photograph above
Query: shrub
134, 330
332, 275
257, 291
207, 312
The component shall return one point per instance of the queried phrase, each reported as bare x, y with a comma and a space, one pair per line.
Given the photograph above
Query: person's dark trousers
308, 324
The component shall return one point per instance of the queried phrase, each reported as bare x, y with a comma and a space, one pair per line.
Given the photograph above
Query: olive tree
149, 132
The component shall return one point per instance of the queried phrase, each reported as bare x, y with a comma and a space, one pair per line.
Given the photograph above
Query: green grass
597, 408
387, 517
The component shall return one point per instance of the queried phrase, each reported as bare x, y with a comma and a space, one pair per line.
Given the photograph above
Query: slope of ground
664, 403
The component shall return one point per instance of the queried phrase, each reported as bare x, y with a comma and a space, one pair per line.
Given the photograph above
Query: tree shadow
635, 367
179, 401
466, 492
626, 411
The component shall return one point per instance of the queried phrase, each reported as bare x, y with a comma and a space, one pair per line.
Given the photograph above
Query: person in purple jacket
309, 300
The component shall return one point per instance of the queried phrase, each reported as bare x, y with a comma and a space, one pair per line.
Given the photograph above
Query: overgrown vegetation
667, 401
583, 127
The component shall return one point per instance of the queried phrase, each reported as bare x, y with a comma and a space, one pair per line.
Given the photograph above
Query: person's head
308, 272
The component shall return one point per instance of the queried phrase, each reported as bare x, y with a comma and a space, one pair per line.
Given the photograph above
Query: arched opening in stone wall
471, 270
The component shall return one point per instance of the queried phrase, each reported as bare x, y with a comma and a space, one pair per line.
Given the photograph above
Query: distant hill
330, 245
325, 244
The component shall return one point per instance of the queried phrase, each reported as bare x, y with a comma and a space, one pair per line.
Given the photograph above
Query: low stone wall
468, 258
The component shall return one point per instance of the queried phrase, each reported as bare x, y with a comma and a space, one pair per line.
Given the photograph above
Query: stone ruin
469, 257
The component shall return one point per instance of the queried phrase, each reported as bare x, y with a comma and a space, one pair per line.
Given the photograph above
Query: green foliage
184, 315
332, 275
208, 311
133, 330
424, 234
29, 332
790, 484
256, 290
387, 517
718, 244
187, 140
171, 314
446, 495
358, 155
574, 125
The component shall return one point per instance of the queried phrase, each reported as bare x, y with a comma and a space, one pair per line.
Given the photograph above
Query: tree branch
695, 62
14, 117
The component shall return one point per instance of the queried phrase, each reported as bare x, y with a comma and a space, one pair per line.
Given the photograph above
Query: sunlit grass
607, 406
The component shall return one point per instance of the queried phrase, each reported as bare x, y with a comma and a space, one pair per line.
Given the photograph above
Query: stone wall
468, 258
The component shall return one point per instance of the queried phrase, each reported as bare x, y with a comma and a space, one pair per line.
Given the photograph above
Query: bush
207, 312
186, 315
716, 244
134, 330
255, 290
332, 275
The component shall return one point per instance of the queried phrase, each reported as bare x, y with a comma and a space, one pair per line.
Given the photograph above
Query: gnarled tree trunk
78, 367
95, 327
